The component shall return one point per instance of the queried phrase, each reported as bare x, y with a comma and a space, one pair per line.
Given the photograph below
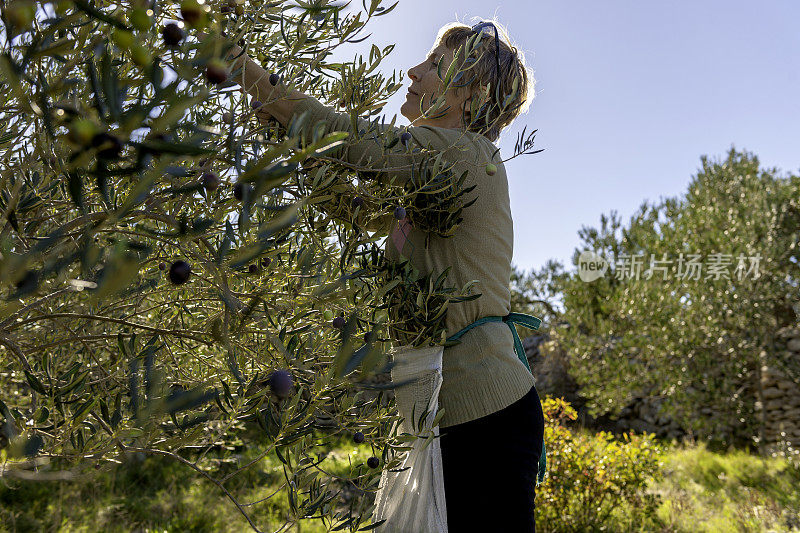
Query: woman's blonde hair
481, 72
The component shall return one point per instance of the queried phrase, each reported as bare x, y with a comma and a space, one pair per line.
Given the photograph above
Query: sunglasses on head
487, 28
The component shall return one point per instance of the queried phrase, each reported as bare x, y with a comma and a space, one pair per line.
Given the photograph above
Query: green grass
733, 491
161, 494
701, 491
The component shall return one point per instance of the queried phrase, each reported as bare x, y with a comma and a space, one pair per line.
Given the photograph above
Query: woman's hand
254, 81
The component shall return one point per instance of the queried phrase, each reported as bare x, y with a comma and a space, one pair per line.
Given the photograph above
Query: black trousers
489, 468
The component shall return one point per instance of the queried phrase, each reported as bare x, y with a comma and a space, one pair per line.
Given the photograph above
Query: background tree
696, 341
537, 293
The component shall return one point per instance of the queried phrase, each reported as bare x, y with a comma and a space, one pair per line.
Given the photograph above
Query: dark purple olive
265, 262
274, 78
240, 188
369, 336
30, 279
191, 11
281, 383
216, 71
255, 104
253, 269
338, 322
405, 137
373, 462
162, 266
358, 437
210, 181
357, 201
225, 9
109, 145
179, 272
400, 213
172, 34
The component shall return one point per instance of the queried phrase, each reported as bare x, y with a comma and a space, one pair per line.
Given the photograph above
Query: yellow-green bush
594, 481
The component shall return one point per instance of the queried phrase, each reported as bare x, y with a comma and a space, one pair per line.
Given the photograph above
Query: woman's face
427, 85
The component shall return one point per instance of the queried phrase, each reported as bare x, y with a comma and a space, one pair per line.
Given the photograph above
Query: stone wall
551, 365
780, 409
780, 396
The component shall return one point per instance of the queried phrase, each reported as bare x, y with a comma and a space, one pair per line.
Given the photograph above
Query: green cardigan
488, 370
482, 374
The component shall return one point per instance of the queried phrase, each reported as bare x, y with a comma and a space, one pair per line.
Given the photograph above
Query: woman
492, 427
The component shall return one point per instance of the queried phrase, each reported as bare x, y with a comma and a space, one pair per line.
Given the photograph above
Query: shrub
592, 477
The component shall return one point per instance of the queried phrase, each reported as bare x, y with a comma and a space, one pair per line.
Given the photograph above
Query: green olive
62, 6
123, 38
82, 131
140, 54
139, 19
21, 13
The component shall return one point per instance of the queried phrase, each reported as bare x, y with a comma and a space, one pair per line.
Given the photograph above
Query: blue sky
629, 95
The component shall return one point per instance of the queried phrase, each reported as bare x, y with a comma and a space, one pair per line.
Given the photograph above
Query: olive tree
172, 269
695, 290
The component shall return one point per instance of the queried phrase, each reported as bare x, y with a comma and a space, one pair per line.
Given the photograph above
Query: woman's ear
467, 109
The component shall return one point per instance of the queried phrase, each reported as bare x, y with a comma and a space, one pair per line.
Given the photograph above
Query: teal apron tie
531, 322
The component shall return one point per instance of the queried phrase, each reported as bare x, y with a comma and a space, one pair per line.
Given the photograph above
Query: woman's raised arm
364, 149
